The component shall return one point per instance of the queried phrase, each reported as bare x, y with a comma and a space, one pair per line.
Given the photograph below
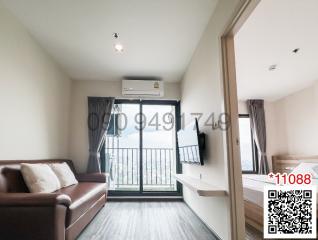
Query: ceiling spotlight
115, 35
272, 67
296, 50
119, 47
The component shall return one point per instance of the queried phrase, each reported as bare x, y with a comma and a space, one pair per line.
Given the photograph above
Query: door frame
241, 14
141, 192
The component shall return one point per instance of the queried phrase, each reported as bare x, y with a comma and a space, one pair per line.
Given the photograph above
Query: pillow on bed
303, 168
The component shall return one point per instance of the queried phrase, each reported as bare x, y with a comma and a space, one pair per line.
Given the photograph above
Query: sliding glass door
159, 148
122, 149
140, 152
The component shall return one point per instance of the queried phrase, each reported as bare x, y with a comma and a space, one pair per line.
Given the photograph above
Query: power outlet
200, 176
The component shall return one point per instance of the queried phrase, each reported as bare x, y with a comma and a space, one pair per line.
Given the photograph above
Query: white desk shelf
200, 187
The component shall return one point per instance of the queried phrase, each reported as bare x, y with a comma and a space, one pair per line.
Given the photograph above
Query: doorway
231, 107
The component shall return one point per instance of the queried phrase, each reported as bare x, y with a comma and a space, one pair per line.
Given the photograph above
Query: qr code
290, 212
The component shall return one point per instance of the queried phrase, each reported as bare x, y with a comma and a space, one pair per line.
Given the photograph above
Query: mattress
253, 188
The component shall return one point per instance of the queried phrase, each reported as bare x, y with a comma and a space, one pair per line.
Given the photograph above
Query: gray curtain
99, 113
257, 116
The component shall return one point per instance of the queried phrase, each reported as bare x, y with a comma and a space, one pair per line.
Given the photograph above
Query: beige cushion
39, 178
64, 174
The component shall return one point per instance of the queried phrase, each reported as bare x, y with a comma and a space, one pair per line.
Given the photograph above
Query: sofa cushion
39, 178
64, 174
83, 195
11, 179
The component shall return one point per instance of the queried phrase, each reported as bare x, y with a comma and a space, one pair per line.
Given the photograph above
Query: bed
253, 186
253, 199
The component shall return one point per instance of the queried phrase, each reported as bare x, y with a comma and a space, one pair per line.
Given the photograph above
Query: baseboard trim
212, 231
145, 198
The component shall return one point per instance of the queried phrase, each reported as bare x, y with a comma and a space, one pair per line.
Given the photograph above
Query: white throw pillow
303, 168
39, 178
64, 174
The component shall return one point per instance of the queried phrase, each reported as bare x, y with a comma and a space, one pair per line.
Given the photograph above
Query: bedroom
279, 93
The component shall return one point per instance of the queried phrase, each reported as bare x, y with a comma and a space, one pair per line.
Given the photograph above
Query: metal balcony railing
158, 166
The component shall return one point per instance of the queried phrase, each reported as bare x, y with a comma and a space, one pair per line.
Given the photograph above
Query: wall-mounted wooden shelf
200, 187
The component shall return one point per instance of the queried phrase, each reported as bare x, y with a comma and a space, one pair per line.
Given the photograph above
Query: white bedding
253, 187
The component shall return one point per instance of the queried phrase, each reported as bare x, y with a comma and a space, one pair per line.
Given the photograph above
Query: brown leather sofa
47, 216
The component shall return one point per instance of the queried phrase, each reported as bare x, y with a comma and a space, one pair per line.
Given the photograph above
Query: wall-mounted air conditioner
143, 88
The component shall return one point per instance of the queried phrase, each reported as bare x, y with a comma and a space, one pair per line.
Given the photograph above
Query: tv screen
189, 144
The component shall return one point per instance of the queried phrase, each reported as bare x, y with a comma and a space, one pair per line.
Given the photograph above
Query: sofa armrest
92, 177
35, 216
34, 199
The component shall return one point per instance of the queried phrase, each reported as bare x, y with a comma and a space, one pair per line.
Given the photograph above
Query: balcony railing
158, 166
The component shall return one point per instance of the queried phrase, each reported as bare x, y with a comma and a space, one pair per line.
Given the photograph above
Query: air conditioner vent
143, 88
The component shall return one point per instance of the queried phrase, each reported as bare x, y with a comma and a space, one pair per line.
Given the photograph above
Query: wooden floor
146, 221
253, 234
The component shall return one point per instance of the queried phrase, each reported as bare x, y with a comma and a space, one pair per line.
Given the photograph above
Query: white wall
202, 92
34, 97
296, 123
291, 123
78, 124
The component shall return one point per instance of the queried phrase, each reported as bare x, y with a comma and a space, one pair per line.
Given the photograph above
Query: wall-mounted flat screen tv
191, 144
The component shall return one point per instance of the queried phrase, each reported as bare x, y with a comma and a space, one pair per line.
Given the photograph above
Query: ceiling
159, 36
269, 36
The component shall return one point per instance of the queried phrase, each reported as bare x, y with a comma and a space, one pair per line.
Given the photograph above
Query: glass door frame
141, 192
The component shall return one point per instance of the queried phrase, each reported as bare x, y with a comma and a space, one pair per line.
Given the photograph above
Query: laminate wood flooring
253, 234
146, 221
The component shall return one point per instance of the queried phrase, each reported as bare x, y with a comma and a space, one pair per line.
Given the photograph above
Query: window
247, 145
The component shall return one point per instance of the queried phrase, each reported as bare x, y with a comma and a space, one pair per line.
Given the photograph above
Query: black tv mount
202, 140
